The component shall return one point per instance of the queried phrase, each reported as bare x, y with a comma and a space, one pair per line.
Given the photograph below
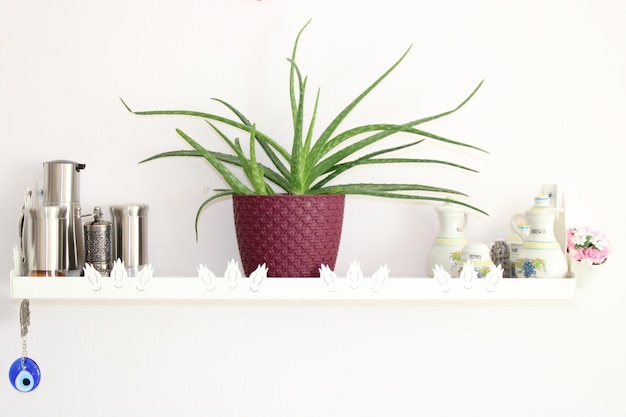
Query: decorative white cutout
144, 276
468, 274
118, 273
354, 274
257, 277
207, 277
443, 278
328, 277
493, 277
379, 277
93, 276
232, 274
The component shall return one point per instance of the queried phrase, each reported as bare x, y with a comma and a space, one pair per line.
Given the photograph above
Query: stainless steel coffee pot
61, 187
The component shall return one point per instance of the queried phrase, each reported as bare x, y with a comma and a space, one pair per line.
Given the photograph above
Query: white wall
551, 110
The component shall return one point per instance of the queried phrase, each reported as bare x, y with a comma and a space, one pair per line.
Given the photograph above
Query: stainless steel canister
44, 238
62, 188
99, 243
130, 235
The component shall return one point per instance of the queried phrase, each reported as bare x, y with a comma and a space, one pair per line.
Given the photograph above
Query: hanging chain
24, 323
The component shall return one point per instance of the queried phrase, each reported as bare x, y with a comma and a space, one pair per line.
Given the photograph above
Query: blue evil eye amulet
24, 374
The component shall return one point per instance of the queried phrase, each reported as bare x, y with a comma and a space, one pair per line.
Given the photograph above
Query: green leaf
339, 169
256, 171
317, 151
383, 131
389, 191
230, 178
446, 113
220, 194
221, 119
267, 146
270, 174
292, 73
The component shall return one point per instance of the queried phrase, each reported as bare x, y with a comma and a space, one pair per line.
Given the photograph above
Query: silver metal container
44, 239
61, 183
130, 235
99, 243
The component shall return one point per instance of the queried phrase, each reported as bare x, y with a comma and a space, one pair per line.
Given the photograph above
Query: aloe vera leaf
389, 191
256, 171
298, 154
217, 118
340, 138
236, 147
297, 111
280, 166
237, 186
270, 174
382, 131
446, 113
220, 194
317, 150
388, 130
251, 169
293, 71
309, 136
341, 168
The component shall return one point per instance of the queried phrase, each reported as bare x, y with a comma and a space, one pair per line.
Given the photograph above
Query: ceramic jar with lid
479, 255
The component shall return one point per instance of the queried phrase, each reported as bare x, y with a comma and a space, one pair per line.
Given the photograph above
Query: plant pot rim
289, 195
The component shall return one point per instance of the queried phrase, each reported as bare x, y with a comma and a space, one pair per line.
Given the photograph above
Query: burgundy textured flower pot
292, 234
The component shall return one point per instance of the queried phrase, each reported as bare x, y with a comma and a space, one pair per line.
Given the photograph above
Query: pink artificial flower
594, 254
586, 243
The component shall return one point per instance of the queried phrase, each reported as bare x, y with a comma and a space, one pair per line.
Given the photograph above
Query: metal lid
61, 181
129, 210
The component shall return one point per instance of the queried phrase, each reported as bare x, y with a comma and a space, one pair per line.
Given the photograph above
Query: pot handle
518, 220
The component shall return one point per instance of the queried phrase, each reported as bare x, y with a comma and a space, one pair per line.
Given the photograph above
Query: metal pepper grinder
98, 243
500, 255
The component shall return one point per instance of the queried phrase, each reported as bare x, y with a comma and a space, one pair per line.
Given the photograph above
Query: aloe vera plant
313, 164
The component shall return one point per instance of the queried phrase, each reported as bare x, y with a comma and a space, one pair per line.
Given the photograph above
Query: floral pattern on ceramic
530, 268
481, 270
479, 256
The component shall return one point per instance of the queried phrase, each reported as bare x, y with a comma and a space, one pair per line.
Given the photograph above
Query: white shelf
292, 289
234, 287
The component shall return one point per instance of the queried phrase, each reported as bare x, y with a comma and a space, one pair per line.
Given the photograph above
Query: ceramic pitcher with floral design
541, 255
446, 248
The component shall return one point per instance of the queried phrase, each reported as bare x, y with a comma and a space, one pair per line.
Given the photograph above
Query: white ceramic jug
447, 246
541, 255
